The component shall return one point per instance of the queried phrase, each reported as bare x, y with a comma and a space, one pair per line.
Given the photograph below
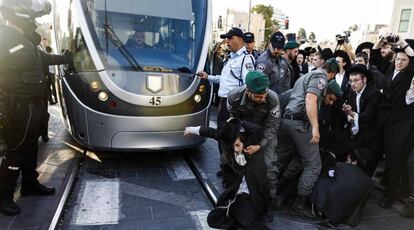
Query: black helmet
28, 9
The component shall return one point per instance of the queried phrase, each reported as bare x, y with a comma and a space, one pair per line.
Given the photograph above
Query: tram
132, 85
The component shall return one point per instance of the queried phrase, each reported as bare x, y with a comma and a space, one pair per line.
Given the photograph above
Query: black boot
9, 208
408, 210
37, 189
299, 208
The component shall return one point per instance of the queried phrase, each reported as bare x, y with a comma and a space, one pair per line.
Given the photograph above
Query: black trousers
222, 116
242, 214
21, 136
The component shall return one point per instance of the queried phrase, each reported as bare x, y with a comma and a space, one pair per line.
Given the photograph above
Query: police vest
21, 70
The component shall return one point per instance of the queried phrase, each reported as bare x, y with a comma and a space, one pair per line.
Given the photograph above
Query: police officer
272, 63
249, 41
22, 84
256, 103
300, 128
234, 71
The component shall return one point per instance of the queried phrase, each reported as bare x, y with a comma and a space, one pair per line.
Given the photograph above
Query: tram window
83, 60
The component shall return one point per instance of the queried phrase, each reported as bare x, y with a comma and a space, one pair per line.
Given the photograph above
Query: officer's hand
315, 136
202, 75
252, 149
68, 56
346, 108
191, 130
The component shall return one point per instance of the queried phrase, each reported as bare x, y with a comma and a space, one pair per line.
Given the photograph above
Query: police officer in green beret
299, 137
256, 103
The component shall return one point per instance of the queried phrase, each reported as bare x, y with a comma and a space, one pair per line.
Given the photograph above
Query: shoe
39, 190
45, 138
408, 210
299, 208
386, 202
9, 207
268, 217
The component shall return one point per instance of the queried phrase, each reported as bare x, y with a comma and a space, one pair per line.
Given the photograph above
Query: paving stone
164, 224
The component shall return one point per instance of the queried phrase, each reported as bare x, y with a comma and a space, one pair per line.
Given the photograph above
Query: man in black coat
247, 197
361, 111
397, 120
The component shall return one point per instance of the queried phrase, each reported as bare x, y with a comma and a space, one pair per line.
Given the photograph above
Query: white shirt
339, 78
355, 126
233, 66
395, 74
243, 187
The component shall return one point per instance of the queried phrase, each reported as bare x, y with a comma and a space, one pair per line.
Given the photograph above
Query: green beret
291, 45
257, 82
333, 65
335, 88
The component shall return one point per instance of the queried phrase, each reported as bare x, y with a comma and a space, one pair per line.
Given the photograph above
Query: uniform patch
275, 112
249, 66
14, 49
321, 83
261, 67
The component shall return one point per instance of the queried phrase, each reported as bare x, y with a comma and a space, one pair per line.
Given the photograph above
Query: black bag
342, 197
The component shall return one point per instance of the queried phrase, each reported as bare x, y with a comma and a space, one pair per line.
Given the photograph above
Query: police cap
257, 82
248, 37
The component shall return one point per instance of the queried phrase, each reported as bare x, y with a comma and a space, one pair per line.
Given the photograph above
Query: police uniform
22, 84
277, 69
263, 114
297, 132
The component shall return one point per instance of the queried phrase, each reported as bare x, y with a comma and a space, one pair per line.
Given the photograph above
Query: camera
343, 38
392, 38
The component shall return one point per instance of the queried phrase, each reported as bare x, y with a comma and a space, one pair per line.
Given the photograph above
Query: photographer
343, 44
382, 55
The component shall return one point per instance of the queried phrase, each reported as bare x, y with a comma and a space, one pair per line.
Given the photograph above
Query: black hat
303, 52
233, 32
229, 131
359, 68
325, 53
364, 45
410, 42
277, 40
344, 55
248, 37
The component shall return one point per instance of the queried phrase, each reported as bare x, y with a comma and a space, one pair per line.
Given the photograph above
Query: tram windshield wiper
110, 33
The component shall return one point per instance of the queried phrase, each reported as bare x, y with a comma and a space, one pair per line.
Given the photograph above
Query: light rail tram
132, 86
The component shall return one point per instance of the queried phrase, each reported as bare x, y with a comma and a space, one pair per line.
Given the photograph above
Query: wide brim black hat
303, 52
344, 55
359, 68
229, 131
325, 53
364, 45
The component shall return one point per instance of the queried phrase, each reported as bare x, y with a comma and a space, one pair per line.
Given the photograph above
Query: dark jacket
280, 73
382, 64
254, 170
378, 77
367, 117
266, 114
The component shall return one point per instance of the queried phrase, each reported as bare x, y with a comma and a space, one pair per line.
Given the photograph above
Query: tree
267, 13
301, 35
312, 37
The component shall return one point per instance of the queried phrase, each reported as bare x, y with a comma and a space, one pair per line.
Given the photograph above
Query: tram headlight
94, 86
197, 98
202, 89
103, 96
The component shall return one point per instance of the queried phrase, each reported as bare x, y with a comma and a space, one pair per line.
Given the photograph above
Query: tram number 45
155, 101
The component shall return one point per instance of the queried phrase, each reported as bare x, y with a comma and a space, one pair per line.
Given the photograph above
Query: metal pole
248, 23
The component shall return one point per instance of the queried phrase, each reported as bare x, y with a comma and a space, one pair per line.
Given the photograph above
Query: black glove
68, 56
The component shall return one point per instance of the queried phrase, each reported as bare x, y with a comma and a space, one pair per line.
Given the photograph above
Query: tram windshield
163, 34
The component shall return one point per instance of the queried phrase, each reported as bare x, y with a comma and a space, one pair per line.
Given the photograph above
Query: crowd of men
317, 114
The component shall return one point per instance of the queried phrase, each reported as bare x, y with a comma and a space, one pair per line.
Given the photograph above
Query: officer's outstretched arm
312, 113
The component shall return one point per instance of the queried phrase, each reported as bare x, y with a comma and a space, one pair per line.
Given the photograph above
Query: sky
325, 18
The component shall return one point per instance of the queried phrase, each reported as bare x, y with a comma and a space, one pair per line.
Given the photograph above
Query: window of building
404, 20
